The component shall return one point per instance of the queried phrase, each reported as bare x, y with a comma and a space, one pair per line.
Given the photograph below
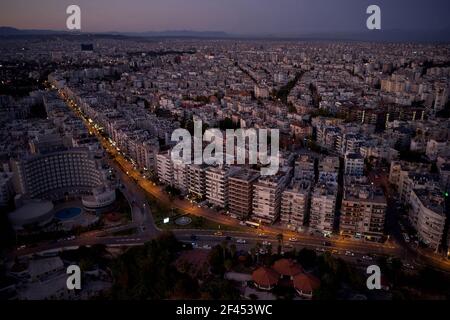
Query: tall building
363, 209
196, 177
427, 215
267, 197
217, 184
54, 174
180, 175
164, 168
323, 206
295, 204
240, 194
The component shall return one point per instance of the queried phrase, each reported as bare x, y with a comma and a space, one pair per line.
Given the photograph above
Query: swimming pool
68, 213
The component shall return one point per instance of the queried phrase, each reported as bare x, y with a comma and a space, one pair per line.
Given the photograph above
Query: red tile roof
265, 277
306, 282
287, 267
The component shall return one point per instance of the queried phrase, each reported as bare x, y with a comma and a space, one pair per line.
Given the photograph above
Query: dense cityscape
87, 171
98, 203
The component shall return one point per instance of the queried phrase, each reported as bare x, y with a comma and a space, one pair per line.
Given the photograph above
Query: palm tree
224, 246
280, 242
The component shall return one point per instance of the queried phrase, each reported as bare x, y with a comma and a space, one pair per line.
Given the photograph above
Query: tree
216, 259
280, 242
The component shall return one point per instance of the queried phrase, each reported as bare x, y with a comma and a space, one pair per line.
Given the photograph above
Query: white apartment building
323, 206
295, 204
164, 168
54, 174
427, 215
196, 178
267, 198
180, 175
217, 184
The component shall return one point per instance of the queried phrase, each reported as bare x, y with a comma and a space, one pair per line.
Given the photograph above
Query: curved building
32, 212
54, 175
101, 198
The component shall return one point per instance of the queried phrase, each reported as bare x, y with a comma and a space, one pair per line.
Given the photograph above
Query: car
262, 235
289, 246
241, 241
206, 246
408, 266
327, 243
266, 243
292, 239
349, 253
21, 247
320, 249
367, 258
218, 233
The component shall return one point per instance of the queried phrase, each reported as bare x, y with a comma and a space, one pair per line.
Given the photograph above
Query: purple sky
233, 16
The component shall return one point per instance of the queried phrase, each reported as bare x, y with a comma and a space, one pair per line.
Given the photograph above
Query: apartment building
329, 166
323, 206
267, 197
363, 209
217, 184
295, 204
354, 164
164, 168
196, 178
240, 195
304, 167
180, 175
54, 174
427, 215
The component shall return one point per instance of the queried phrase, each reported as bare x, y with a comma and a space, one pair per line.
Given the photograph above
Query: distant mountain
367, 35
10, 31
177, 33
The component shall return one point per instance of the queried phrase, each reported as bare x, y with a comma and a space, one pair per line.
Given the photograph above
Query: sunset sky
233, 16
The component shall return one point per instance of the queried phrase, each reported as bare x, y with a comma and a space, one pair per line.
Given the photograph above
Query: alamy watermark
73, 21
234, 144
374, 20
74, 279
374, 280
